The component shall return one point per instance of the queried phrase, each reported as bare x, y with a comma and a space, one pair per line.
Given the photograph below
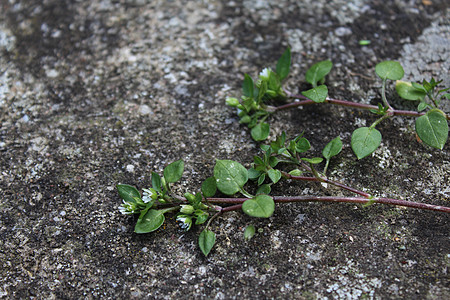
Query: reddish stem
335, 183
306, 101
361, 200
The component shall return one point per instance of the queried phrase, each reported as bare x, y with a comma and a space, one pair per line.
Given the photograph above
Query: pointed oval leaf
128, 192
174, 171
408, 92
274, 84
149, 221
156, 181
247, 86
333, 148
318, 71
230, 176
296, 172
261, 179
253, 174
206, 241
318, 94
262, 206
314, 160
422, 106
432, 128
260, 132
365, 140
249, 232
209, 187
274, 175
264, 189
302, 145
284, 64
388, 69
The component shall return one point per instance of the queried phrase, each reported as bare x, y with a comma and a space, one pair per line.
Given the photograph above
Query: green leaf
230, 176
245, 119
389, 70
314, 160
273, 161
274, 83
283, 64
174, 171
247, 86
418, 87
206, 241
253, 174
365, 140
258, 160
274, 175
260, 132
432, 128
333, 148
262, 206
261, 179
407, 91
249, 232
296, 172
318, 94
302, 145
264, 189
156, 181
209, 187
150, 220
262, 91
128, 193
318, 71
201, 217
422, 106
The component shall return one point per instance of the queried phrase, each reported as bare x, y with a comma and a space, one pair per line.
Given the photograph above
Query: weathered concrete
93, 93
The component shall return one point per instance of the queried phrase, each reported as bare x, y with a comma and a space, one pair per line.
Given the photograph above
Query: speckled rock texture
96, 93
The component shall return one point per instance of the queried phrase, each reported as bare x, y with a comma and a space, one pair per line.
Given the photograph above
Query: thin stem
326, 180
233, 207
387, 115
212, 218
383, 94
327, 162
223, 210
245, 193
344, 103
361, 200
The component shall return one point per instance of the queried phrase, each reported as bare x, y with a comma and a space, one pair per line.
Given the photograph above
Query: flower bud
233, 102
128, 208
187, 209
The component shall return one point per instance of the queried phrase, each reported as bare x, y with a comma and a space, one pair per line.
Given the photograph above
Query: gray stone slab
96, 93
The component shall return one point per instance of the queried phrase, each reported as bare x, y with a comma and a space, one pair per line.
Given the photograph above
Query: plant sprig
284, 159
232, 179
431, 126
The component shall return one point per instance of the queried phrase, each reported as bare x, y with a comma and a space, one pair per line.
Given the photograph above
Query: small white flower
186, 222
127, 208
265, 74
149, 195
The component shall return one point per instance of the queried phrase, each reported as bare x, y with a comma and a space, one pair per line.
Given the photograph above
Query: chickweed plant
285, 158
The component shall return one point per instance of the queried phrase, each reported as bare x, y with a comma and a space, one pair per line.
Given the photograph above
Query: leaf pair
314, 75
231, 176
